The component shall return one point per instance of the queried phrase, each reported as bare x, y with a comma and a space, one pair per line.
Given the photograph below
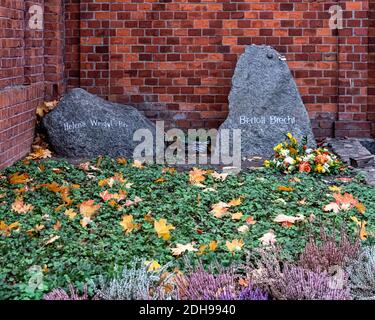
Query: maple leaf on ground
284, 188
250, 220
234, 245
213, 245
237, 216
6, 230
163, 229
181, 248
196, 176
35, 230
20, 207
345, 201
70, 213
268, 238
333, 206
122, 161
235, 202
52, 239
361, 208
53, 187
138, 164
88, 208
57, 225
127, 223
136, 200
219, 209
152, 265
169, 170
243, 229
86, 166
362, 225
85, 221
40, 153
202, 249
288, 221
219, 176
18, 178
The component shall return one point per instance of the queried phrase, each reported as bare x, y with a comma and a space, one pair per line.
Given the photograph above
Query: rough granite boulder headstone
84, 125
264, 102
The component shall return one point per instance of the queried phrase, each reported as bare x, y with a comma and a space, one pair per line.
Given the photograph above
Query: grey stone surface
264, 102
350, 149
85, 125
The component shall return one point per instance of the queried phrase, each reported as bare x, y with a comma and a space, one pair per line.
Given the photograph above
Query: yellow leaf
360, 207
138, 164
163, 229
237, 216
235, 202
160, 180
88, 208
213, 245
219, 209
362, 232
7, 230
70, 213
122, 161
196, 176
40, 153
168, 170
20, 207
202, 249
234, 245
127, 223
334, 189
18, 178
181, 248
152, 265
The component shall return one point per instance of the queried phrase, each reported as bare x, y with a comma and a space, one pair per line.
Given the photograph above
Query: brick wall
31, 71
371, 91
174, 59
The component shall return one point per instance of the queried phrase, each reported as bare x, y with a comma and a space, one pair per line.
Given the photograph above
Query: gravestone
84, 125
264, 102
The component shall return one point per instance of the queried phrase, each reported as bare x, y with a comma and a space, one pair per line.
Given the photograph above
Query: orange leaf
88, 208
196, 176
18, 178
219, 209
284, 188
20, 207
360, 207
57, 225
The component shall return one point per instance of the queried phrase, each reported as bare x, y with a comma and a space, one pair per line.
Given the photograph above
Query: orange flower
322, 159
304, 167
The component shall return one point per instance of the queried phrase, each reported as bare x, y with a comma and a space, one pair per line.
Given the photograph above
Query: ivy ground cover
76, 223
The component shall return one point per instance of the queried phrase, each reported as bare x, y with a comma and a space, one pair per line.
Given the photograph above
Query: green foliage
82, 254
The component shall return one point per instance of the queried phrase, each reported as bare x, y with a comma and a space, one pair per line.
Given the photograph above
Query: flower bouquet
291, 156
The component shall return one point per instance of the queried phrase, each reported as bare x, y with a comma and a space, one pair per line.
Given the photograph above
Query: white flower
289, 160
284, 152
309, 150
